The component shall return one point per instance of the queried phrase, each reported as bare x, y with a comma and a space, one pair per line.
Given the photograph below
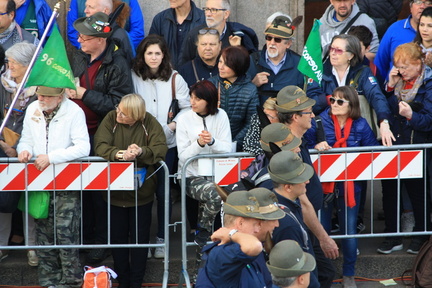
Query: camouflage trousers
203, 190
60, 267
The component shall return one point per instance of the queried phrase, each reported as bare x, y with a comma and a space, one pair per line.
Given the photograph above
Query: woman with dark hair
345, 67
424, 34
203, 130
129, 133
344, 127
155, 80
238, 96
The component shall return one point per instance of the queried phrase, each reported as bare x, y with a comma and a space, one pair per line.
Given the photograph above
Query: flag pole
53, 17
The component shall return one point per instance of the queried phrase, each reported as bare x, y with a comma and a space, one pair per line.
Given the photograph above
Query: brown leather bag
10, 136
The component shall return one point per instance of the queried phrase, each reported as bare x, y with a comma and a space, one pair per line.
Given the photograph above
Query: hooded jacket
330, 27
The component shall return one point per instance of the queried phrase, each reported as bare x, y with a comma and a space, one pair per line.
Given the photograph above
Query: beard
273, 54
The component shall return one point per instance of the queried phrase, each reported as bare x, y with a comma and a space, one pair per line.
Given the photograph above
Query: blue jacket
420, 125
292, 227
165, 25
249, 40
203, 70
134, 27
398, 33
227, 266
43, 14
287, 75
366, 85
239, 101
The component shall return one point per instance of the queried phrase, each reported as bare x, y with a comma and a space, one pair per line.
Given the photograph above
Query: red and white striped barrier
67, 176
369, 165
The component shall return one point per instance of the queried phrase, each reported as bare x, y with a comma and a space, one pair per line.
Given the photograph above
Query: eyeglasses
271, 117
118, 111
212, 10
337, 50
420, 2
277, 40
86, 39
340, 102
4, 13
208, 30
305, 113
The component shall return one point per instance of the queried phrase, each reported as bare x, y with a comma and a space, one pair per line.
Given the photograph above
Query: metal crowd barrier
18, 174
347, 152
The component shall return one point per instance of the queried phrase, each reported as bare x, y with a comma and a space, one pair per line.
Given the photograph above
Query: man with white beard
276, 65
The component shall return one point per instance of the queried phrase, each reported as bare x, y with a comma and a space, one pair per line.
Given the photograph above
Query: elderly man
175, 23
104, 77
204, 66
236, 258
339, 16
403, 31
118, 33
9, 28
134, 28
55, 132
276, 65
295, 110
231, 33
289, 266
290, 176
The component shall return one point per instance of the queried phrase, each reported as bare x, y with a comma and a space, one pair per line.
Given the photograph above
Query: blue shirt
398, 33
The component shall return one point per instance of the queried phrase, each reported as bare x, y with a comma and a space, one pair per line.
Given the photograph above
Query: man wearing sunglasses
276, 65
339, 17
231, 33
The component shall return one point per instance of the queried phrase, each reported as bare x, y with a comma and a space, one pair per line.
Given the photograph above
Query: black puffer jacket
113, 79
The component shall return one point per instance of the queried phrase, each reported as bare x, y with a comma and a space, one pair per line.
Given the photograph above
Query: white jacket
157, 95
68, 138
189, 125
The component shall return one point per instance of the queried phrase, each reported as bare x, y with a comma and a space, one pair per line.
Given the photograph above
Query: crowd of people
200, 84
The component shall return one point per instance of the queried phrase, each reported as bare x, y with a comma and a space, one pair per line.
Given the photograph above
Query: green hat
283, 27
287, 259
96, 25
292, 99
258, 203
288, 168
49, 91
280, 135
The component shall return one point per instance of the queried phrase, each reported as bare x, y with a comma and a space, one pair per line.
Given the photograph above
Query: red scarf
341, 142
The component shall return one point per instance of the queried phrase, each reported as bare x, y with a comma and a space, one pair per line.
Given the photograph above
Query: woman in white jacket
203, 130
155, 80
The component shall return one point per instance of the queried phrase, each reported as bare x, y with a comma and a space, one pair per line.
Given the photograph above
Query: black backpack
421, 273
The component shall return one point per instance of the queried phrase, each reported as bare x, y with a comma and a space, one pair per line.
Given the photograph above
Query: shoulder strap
195, 71
354, 82
173, 88
343, 31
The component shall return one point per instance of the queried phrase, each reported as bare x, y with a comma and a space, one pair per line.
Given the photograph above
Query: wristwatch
385, 121
232, 232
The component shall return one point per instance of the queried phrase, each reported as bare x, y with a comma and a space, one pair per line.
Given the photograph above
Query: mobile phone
238, 33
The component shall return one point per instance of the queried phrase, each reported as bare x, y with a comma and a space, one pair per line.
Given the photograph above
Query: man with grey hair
55, 132
289, 266
276, 65
231, 33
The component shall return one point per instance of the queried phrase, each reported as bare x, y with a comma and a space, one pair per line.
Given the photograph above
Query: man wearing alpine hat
236, 259
289, 266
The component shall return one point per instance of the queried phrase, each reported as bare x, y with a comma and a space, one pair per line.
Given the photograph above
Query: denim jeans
349, 245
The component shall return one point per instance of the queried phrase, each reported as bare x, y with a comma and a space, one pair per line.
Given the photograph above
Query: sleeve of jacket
26, 141
136, 23
118, 82
422, 120
187, 145
156, 149
155, 27
44, 14
104, 138
315, 92
368, 137
374, 95
223, 141
72, 15
189, 47
251, 106
383, 56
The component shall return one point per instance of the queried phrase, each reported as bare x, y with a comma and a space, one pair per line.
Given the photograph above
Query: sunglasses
212, 10
277, 40
340, 102
337, 50
210, 31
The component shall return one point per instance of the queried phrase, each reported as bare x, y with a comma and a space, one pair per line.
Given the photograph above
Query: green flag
52, 68
310, 62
